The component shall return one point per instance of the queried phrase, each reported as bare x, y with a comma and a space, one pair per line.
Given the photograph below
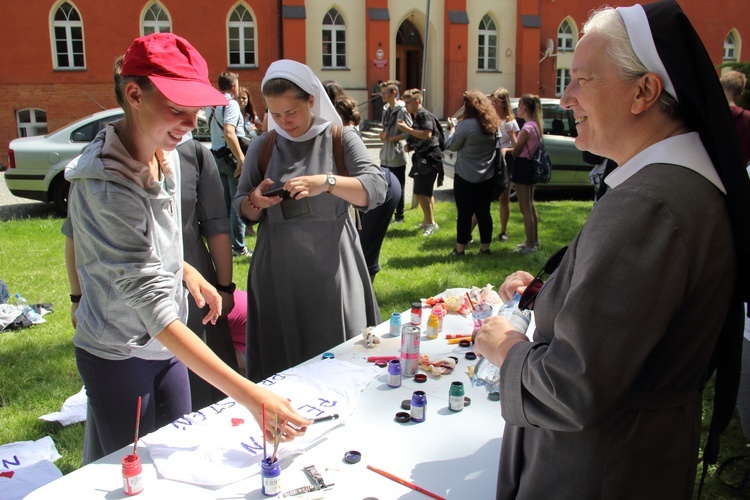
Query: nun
308, 285
605, 400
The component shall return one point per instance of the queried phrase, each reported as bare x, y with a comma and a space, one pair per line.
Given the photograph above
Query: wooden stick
405, 483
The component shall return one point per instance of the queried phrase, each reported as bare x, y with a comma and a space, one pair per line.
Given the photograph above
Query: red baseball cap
174, 67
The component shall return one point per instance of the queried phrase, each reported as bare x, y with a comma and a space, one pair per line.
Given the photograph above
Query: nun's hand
306, 186
515, 283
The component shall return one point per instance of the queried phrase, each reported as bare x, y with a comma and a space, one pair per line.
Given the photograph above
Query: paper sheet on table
223, 444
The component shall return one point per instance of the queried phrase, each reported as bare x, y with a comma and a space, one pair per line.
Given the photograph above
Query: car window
558, 121
87, 132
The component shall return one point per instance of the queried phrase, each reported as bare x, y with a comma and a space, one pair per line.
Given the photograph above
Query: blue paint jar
394, 373
270, 473
418, 406
395, 324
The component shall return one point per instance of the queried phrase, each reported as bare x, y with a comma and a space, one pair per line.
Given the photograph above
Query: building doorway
409, 50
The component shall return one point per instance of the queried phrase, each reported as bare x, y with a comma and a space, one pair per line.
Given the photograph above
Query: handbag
541, 164
500, 178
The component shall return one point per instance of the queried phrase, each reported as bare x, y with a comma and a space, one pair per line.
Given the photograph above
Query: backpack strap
269, 140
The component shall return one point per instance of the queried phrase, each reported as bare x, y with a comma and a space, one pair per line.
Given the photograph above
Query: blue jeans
229, 182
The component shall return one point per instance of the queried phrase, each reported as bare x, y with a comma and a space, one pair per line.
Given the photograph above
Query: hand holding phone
277, 192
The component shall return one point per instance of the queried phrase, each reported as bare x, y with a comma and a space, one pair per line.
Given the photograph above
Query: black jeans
473, 199
400, 173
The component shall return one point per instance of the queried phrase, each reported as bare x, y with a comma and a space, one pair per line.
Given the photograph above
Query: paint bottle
456, 396
394, 373
432, 327
410, 338
418, 406
395, 324
416, 313
132, 477
269, 473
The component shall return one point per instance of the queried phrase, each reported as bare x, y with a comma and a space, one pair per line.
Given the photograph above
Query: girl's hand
203, 292
279, 412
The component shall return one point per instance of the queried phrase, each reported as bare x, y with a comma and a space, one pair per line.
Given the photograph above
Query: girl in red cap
126, 268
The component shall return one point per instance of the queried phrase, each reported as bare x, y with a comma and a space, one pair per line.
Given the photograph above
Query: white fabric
24, 480
685, 150
222, 444
73, 410
26, 466
643, 44
323, 111
8, 314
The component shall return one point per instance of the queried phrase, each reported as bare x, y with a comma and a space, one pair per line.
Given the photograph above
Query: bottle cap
352, 456
464, 343
493, 396
381, 363
467, 401
420, 378
402, 417
328, 355
470, 355
406, 404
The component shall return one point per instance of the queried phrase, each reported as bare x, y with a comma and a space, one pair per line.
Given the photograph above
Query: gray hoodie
128, 248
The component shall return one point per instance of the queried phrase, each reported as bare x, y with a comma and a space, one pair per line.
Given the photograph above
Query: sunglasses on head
532, 289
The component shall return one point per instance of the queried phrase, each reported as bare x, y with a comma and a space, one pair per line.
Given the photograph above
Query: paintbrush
278, 440
263, 409
137, 425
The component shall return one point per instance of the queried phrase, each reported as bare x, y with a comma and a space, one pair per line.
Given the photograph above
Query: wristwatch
230, 288
331, 181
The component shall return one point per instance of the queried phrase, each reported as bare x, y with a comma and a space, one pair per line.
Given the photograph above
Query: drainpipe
280, 29
424, 54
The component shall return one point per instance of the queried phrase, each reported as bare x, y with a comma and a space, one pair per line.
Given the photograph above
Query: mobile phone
278, 192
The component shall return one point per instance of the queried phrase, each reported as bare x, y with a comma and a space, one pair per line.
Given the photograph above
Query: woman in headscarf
308, 284
605, 401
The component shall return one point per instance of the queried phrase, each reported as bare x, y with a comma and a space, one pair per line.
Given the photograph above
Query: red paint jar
416, 313
132, 478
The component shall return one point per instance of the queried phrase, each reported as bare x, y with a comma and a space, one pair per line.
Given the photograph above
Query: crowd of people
608, 388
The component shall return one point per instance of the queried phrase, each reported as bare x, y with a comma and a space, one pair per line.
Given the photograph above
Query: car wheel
60, 196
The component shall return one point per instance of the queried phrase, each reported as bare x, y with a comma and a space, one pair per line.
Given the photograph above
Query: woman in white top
509, 132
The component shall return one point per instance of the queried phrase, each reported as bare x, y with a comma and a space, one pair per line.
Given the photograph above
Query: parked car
569, 169
37, 163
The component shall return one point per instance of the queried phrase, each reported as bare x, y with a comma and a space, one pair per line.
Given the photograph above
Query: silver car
569, 169
37, 163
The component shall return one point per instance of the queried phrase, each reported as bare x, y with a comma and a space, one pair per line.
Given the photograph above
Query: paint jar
432, 327
418, 406
394, 373
395, 324
132, 475
416, 313
456, 396
410, 339
270, 473
440, 313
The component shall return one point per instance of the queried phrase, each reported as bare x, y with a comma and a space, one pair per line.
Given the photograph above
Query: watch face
331, 180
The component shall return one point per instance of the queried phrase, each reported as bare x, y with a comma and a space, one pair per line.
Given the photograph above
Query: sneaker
524, 249
245, 252
485, 252
398, 220
420, 226
429, 229
456, 253
502, 237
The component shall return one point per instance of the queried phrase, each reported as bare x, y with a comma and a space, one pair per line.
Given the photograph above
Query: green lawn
37, 366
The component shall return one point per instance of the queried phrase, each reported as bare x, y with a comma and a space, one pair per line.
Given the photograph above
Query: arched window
565, 37
67, 30
487, 59
563, 80
155, 20
31, 122
730, 47
242, 38
334, 40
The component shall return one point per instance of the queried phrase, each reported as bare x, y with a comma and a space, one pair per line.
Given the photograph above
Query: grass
37, 366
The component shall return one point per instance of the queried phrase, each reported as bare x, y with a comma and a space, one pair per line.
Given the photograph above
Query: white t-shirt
506, 127
231, 114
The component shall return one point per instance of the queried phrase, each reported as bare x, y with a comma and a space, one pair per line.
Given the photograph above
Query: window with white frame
156, 20
563, 80
67, 30
487, 60
565, 37
242, 38
334, 40
31, 122
730, 46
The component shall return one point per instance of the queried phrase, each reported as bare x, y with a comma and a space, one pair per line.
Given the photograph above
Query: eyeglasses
532, 290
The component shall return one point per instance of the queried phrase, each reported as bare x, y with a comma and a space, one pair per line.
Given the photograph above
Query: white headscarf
323, 111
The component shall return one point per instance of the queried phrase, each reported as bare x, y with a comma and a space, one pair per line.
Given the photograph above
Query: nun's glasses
532, 289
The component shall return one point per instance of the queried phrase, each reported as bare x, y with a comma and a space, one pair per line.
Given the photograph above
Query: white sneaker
429, 229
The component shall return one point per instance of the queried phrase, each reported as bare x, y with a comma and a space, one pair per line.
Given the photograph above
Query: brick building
57, 62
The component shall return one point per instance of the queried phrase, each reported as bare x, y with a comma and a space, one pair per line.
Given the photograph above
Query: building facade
57, 65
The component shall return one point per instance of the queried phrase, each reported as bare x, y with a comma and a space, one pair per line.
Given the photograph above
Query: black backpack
441, 134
